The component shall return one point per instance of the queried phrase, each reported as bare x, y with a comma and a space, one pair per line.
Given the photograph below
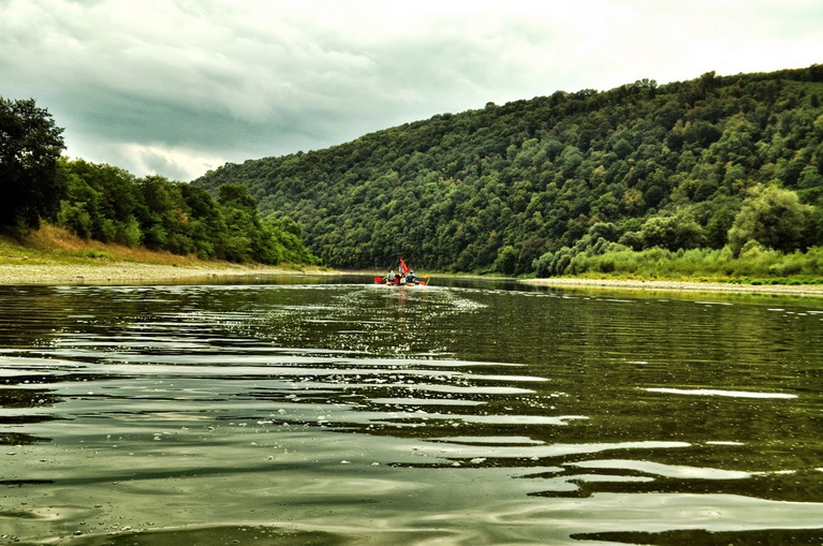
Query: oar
425, 280
379, 280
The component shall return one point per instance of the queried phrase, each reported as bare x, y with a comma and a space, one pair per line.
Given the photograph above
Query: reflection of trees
37, 316
19, 439
23, 398
28, 316
26, 398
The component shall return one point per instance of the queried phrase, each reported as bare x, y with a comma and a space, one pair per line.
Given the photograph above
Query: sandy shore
126, 273
680, 286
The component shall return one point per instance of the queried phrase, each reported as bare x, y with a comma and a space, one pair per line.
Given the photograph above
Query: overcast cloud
178, 87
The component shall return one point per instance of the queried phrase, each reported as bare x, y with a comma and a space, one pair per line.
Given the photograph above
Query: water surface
331, 411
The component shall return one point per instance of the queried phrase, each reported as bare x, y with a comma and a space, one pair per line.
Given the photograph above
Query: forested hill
719, 161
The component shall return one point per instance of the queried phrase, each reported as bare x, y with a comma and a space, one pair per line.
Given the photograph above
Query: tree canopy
30, 146
527, 186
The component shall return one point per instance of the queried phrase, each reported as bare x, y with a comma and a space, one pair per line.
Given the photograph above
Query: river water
332, 411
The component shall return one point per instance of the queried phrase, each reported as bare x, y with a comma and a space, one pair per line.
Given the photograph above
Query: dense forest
715, 169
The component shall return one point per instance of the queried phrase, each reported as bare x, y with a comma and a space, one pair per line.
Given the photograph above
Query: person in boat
411, 277
390, 276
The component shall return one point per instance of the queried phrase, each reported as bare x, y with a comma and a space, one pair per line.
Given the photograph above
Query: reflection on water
341, 412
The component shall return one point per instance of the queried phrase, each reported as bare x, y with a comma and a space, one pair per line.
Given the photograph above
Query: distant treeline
571, 182
109, 204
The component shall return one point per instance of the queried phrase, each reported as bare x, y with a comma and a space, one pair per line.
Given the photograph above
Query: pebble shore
141, 273
123, 273
813, 290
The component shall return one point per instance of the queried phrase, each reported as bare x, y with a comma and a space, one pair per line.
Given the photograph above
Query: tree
771, 216
506, 260
672, 232
30, 146
236, 195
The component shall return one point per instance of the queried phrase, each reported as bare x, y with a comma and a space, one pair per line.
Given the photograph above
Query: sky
180, 87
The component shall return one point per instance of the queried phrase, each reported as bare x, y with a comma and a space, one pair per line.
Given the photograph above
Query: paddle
379, 280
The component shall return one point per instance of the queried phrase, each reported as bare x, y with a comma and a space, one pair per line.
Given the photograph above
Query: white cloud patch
177, 87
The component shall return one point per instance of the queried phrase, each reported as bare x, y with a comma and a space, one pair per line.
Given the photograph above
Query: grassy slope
53, 245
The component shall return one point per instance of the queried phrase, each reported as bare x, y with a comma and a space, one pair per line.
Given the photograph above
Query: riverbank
133, 273
813, 290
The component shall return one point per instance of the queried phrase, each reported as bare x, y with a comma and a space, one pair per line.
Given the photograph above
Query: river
328, 410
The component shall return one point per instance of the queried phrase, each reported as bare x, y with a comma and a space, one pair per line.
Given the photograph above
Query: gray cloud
177, 87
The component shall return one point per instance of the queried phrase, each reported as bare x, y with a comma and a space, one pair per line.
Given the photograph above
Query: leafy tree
671, 232
238, 196
506, 261
30, 146
773, 217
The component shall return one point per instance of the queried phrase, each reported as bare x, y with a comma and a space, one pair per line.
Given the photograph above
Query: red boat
403, 277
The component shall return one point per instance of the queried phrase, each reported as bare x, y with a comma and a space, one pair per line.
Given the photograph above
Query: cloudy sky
178, 87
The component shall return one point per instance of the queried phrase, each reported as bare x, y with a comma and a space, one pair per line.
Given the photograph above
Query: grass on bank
755, 265
51, 245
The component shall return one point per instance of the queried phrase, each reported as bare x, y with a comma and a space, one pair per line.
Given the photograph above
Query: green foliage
30, 146
100, 202
755, 261
506, 261
671, 232
517, 188
108, 204
770, 216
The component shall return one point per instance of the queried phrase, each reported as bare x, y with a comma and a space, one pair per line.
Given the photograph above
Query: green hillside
732, 165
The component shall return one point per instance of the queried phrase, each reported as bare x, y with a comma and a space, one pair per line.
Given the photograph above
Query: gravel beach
125, 273
813, 290
141, 273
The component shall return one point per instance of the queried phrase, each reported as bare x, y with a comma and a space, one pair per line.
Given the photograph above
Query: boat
404, 277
